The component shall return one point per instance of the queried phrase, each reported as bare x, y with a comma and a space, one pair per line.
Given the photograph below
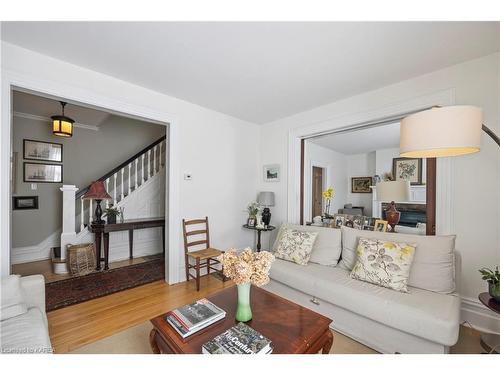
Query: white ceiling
361, 141
259, 71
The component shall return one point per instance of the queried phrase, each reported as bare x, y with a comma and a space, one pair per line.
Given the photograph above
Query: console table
263, 229
489, 341
103, 230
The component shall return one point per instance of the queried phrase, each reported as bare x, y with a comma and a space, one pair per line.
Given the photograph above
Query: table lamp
98, 192
266, 199
393, 191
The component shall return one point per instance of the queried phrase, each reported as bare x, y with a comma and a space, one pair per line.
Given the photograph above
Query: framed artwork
25, 203
368, 223
358, 222
380, 226
361, 184
407, 169
34, 172
272, 173
338, 220
42, 151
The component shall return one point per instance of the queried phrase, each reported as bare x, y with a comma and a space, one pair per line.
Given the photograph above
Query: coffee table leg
152, 342
328, 344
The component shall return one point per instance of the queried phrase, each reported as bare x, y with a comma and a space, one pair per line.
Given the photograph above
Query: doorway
318, 184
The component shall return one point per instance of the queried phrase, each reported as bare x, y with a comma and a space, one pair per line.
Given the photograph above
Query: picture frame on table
368, 223
25, 203
251, 222
380, 226
42, 151
42, 173
361, 184
407, 169
272, 173
339, 220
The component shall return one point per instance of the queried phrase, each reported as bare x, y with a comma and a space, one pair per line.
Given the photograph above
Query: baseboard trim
479, 316
36, 252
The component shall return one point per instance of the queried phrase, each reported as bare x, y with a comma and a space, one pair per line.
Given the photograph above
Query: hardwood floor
78, 325
44, 267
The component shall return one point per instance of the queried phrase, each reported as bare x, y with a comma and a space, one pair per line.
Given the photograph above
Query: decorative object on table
393, 191
384, 263
25, 203
62, 125
361, 184
245, 269
259, 230
97, 192
493, 279
272, 173
358, 222
81, 259
349, 221
42, 151
380, 226
122, 214
240, 339
409, 169
34, 172
111, 213
194, 317
327, 196
295, 245
266, 200
339, 220
376, 179
253, 210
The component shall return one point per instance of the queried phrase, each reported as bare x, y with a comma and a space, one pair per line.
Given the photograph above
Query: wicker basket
81, 259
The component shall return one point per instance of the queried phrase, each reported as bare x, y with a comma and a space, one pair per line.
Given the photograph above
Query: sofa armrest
34, 291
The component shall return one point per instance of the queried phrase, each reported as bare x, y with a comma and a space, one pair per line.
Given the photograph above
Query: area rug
78, 289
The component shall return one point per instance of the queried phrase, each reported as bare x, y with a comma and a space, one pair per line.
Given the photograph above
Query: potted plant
111, 214
253, 210
327, 196
493, 278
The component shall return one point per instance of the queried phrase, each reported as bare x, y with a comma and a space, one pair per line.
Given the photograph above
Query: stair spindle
149, 163
154, 160
129, 183
114, 189
82, 211
107, 189
122, 195
142, 168
135, 176
90, 211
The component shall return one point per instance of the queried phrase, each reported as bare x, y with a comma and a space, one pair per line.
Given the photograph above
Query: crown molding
29, 116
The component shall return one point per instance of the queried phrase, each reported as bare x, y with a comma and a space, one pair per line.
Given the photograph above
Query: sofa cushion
327, 247
384, 263
12, 302
26, 332
295, 245
426, 314
433, 265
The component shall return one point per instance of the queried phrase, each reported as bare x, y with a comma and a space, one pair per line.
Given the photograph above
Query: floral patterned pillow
384, 263
295, 246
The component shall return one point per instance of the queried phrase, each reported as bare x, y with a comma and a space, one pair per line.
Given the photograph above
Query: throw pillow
433, 266
12, 302
295, 245
384, 263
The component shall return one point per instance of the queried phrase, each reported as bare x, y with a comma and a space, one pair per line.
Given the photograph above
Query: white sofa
425, 320
24, 327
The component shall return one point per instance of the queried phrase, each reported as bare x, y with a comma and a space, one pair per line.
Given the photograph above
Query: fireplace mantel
417, 196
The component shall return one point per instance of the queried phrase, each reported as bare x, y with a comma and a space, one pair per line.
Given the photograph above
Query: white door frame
14, 80
444, 207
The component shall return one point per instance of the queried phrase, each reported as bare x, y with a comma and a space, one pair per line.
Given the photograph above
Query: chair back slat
197, 232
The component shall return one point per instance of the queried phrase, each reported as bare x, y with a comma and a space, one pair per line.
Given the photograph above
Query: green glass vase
243, 310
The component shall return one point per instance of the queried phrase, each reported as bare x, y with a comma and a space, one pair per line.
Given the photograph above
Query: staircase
123, 183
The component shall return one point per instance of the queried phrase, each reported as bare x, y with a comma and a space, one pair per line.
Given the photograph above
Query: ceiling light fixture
62, 125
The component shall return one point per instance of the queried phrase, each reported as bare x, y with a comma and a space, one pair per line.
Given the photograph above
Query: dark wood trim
82, 191
302, 162
50, 143
430, 193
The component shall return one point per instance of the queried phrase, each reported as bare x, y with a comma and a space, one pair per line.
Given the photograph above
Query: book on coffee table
240, 339
193, 317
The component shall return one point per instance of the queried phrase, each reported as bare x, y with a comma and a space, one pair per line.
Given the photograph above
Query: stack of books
192, 318
240, 339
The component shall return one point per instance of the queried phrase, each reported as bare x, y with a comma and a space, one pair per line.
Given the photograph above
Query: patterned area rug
78, 289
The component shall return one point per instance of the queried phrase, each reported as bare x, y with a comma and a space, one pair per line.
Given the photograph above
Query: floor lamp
449, 131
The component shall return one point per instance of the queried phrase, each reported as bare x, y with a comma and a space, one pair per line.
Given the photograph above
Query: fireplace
411, 213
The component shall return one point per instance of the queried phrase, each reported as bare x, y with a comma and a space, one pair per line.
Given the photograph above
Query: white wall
360, 165
218, 150
334, 164
474, 192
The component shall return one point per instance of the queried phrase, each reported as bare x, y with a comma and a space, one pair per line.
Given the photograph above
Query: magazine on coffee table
240, 339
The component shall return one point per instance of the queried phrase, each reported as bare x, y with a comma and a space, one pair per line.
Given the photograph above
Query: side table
259, 230
489, 341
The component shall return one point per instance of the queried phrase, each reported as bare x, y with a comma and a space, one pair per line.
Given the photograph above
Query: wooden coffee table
293, 329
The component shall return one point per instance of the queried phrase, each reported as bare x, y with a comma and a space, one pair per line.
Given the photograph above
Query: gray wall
87, 156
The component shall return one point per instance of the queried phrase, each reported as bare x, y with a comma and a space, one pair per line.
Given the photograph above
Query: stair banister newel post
68, 234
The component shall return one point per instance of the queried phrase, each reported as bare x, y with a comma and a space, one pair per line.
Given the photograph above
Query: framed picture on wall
25, 203
272, 173
361, 184
407, 169
34, 172
42, 151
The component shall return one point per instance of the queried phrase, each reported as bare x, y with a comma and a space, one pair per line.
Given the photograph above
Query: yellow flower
328, 193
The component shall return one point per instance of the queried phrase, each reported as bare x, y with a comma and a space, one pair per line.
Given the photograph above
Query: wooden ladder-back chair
204, 257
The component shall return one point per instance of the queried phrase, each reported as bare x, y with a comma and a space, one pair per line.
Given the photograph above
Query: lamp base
266, 216
98, 213
392, 216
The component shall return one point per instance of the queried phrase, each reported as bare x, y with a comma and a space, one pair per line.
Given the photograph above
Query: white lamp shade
441, 131
266, 198
397, 191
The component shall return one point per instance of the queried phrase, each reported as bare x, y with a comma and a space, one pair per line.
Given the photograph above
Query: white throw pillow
433, 266
327, 246
295, 245
384, 263
12, 302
